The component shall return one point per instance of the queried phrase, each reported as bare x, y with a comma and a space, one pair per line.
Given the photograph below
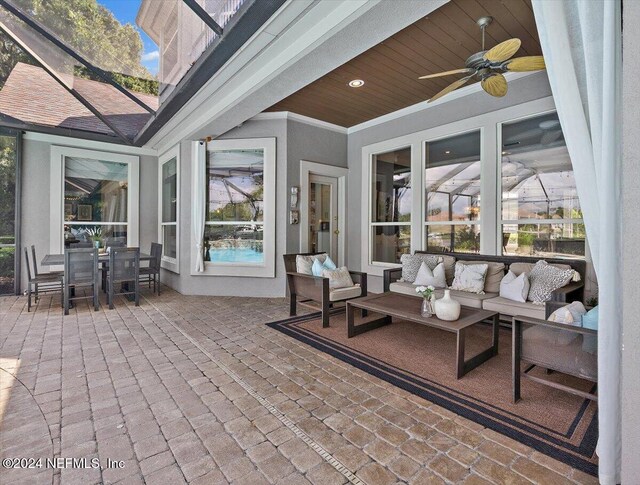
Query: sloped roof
32, 96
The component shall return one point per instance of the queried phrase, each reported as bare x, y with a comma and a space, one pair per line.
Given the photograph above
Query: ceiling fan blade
451, 87
528, 63
495, 85
503, 51
464, 70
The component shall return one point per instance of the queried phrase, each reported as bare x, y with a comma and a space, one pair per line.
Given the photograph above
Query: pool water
240, 255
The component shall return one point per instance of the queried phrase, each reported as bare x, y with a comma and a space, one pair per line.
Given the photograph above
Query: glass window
170, 208
541, 213
8, 169
235, 206
96, 196
452, 193
391, 203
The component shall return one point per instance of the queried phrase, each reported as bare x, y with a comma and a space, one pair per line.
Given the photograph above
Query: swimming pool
239, 255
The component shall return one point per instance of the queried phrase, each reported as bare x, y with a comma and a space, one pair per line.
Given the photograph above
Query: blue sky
125, 11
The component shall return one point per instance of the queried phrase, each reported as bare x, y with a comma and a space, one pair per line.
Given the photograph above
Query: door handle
336, 232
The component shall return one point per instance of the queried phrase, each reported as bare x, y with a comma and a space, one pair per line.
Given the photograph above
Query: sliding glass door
9, 212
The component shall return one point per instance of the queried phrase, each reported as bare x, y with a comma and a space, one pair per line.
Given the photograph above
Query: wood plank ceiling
439, 42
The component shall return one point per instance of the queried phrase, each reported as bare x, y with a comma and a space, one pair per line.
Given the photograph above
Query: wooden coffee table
405, 307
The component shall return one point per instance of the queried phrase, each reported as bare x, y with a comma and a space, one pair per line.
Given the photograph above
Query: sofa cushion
338, 294
411, 264
472, 300
518, 268
495, 273
512, 308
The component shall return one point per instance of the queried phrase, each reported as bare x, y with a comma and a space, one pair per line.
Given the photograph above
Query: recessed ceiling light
356, 83
447, 152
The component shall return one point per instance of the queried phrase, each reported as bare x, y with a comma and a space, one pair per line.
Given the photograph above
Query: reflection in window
169, 208
95, 199
541, 213
391, 203
452, 193
8, 167
235, 206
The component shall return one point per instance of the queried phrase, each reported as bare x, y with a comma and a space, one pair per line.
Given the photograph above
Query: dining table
103, 259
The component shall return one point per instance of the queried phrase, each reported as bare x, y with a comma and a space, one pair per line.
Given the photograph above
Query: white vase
447, 308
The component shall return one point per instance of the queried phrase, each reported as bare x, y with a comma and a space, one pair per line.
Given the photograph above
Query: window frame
425, 224
490, 177
266, 269
499, 203
170, 264
56, 197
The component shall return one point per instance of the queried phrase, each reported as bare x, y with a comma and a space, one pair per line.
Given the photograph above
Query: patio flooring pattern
187, 389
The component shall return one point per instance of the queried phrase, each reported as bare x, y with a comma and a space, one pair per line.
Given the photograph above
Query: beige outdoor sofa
498, 267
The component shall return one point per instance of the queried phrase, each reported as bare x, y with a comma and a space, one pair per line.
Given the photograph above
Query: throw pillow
318, 266
570, 314
470, 277
304, 264
435, 278
590, 320
514, 287
338, 278
494, 275
545, 279
411, 264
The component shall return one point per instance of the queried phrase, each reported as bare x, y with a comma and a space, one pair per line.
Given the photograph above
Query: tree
92, 31
10, 55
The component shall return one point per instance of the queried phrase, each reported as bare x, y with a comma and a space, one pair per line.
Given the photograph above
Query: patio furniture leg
29, 297
325, 313
460, 337
96, 302
154, 279
137, 291
292, 305
66, 300
110, 294
516, 329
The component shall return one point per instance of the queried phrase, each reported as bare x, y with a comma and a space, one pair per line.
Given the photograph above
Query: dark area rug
421, 360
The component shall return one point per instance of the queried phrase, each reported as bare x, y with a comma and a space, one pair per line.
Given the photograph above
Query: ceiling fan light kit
488, 66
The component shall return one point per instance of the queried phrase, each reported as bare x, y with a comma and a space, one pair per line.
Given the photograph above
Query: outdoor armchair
314, 290
124, 269
553, 346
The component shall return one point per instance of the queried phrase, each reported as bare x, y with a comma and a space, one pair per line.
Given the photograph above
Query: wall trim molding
288, 115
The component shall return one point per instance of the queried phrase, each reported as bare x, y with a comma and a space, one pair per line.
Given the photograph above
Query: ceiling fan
488, 66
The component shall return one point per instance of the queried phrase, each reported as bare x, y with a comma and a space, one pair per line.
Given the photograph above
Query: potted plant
95, 234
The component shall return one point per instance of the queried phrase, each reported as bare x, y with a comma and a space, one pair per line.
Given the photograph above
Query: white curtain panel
581, 43
198, 150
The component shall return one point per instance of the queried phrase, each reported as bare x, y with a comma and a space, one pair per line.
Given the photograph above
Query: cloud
151, 56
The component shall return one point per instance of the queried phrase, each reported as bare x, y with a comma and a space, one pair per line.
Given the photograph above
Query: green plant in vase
95, 234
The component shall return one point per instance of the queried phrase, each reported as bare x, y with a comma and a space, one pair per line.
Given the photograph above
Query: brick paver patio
198, 390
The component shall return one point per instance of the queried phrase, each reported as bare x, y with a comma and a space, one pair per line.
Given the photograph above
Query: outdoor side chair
151, 273
80, 270
41, 282
124, 269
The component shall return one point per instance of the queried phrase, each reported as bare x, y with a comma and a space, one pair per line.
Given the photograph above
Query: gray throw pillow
545, 279
411, 264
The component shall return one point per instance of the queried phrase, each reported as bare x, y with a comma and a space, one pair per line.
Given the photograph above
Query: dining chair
41, 283
35, 264
80, 271
151, 273
115, 242
124, 268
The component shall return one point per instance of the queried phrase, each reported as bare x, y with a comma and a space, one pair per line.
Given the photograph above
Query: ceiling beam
101, 73
204, 16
